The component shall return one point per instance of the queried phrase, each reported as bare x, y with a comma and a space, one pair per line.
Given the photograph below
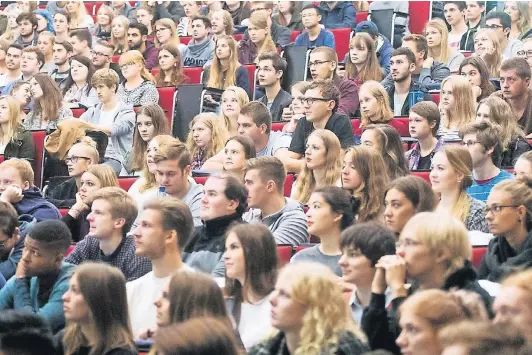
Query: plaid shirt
414, 154
123, 257
476, 221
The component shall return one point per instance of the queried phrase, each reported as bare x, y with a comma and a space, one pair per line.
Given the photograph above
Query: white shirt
255, 322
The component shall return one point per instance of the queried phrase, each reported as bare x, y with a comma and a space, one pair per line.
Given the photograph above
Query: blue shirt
481, 191
325, 38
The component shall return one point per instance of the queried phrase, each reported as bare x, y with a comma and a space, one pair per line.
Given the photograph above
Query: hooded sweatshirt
198, 54
34, 204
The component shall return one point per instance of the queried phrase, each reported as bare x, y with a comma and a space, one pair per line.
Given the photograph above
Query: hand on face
20, 273
395, 270
12, 194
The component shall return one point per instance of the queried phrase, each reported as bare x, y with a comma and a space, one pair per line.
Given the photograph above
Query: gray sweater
197, 55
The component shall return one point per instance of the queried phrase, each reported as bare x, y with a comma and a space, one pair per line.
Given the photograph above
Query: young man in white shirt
454, 12
164, 229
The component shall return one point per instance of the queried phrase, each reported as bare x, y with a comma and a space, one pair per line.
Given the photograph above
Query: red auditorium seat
2, 158
341, 38
38, 140
194, 74
288, 182
126, 182
89, 5
185, 40
467, 54
155, 71
301, 247
278, 126
422, 174
97, 6
435, 97
251, 72
285, 253
478, 253
293, 35
166, 101
419, 15
115, 58
69, 250
401, 125
63, 211
362, 16
200, 179
238, 36
356, 127
77, 112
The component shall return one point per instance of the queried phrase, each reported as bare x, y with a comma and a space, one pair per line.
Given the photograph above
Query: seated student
78, 160
362, 246
365, 178
207, 137
62, 52
330, 211
403, 87
113, 212
17, 188
138, 40
237, 151
457, 107
200, 49
95, 307
21, 92
423, 122
483, 142
405, 197
508, 217
523, 166
433, 252
42, 276
233, 99
427, 71
386, 140
192, 9
113, 117
432, 310
525, 52
13, 71
171, 67
95, 178
251, 263
296, 110
323, 64
61, 25
438, 38
361, 62
374, 104
279, 34
223, 203
520, 19
474, 19
337, 14
139, 87
314, 35
501, 24
323, 164
321, 100
78, 14
271, 68
78, 90
166, 33
451, 174
476, 71
25, 333
221, 24
104, 17
249, 49
225, 70
123, 8
297, 283
48, 107
381, 46
255, 122
515, 79
32, 60
146, 16
15, 141
289, 15
285, 218
164, 228
27, 26
454, 15
239, 11
119, 39
81, 41
46, 44
488, 48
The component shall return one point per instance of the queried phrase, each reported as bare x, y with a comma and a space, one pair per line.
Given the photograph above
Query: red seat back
285, 253
238, 36
288, 182
155, 71
251, 72
126, 182
2, 158
478, 254
77, 112
435, 97
341, 38
362, 16
200, 179
185, 40
401, 125
301, 247
356, 127
166, 101
467, 54
419, 15
425, 175
115, 58
63, 211
293, 35
38, 140
89, 5
69, 250
278, 126
194, 74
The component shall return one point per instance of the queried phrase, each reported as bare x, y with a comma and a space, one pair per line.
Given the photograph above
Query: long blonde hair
495, 60
218, 78
76, 21
371, 69
268, 45
219, 134
502, 114
385, 113
117, 43
306, 181
149, 178
242, 97
444, 49
14, 121
167, 23
134, 56
464, 101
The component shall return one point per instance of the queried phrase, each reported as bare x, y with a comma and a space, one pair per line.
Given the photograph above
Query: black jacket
22, 146
501, 259
382, 327
405, 111
467, 43
64, 194
514, 151
281, 101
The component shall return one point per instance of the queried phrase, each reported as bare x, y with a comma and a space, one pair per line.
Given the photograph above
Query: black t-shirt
424, 162
338, 124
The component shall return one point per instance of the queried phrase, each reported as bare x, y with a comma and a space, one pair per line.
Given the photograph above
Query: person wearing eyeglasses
509, 215
482, 139
526, 53
102, 57
314, 35
501, 23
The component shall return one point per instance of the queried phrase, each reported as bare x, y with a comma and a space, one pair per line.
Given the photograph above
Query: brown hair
391, 149
219, 135
429, 111
295, 8
246, 143
177, 77
416, 190
501, 113
174, 150
328, 90
122, 205
486, 86
105, 174
149, 178
420, 41
259, 113
50, 103
488, 136
520, 65
269, 168
371, 69
107, 77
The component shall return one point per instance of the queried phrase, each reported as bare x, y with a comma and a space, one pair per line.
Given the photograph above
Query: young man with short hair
81, 41
27, 26
424, 121
102, 57
31, 63
501, 23
402, 65
42, 277
113, 212
515, 77
280, 34
271, 68
112, 117
25, 333
137, 36
17, 188
264, 179
482, 139
200, 49
255, 122
13, 73
454, 12
337, 14
314, 35
473, 15
164, 228
222, 206
62, 53
321, 100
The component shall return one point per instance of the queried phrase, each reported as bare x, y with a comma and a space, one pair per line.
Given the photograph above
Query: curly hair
219, 135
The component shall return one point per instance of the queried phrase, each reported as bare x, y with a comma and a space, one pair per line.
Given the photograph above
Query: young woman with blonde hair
207, 137
374, 104
296, 110
437, 36
233, 99
513, 139
119, 28
488, 48
323, 164
361, 63
96, 312
450, 176
166, 33
259, 41
79, 17
305, 325
103, 27
15, 140
519, 13
139, 85
457, 105
171, 67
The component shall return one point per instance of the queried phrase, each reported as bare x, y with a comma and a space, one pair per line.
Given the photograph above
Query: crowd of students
382, 259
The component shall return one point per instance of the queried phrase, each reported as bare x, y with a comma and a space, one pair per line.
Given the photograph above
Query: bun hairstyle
520, 192
340, 202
